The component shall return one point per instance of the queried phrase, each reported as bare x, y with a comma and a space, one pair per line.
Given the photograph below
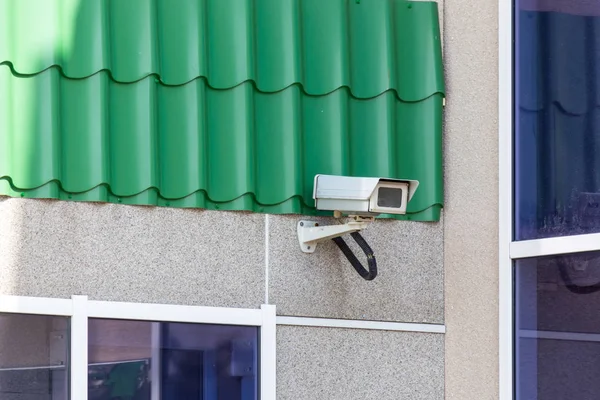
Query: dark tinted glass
558, 327
557, 118
131, 360
389, 197
33, 357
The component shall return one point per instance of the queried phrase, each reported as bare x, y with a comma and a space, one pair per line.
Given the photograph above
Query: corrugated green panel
370, 46
96, 139
218, 104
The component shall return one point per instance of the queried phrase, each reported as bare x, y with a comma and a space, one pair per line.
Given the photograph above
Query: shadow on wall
11, 239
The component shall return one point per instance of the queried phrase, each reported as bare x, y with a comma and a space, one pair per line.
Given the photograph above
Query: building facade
119, 281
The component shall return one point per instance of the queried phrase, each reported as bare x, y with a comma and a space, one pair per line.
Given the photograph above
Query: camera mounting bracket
310, 233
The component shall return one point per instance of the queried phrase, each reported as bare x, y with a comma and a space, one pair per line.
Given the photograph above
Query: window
557, 131
550, 199
558, 326
58, 349
146, 360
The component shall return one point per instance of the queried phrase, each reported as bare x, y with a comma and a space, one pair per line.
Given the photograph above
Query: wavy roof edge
424, 95
209, 86
196, 200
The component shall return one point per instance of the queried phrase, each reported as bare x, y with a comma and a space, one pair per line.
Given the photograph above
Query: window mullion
79, 349
554, 246
505, 201
268, 347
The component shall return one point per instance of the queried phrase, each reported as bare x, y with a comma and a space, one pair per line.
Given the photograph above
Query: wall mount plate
306, 247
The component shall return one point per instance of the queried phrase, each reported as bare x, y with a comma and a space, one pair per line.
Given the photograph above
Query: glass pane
139, 360
557, 118
558, 327
389, 197
33, 357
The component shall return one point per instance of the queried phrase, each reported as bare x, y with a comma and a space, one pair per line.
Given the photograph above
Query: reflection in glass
33, 357
558, 327
557, 118
140, 360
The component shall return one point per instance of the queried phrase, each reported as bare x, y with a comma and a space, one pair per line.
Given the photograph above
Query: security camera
360, 198
363, 196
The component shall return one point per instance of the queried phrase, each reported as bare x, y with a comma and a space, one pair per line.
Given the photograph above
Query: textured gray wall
127, 253
151, 254
408, 288
471, 213
348, 364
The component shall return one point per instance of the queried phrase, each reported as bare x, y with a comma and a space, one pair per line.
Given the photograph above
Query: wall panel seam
361, 324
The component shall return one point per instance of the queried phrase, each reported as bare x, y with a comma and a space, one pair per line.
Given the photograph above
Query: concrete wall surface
356, 364
471, 203
198, 257
127, 253
408, 288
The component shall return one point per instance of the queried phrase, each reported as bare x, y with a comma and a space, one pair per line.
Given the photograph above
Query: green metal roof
219, 104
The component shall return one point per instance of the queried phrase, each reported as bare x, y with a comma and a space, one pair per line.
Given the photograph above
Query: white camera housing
360, 198
363, 196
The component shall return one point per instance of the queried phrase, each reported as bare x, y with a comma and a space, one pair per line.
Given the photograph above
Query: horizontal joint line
361, 324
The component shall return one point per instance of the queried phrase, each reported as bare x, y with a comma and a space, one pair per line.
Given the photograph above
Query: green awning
218, 104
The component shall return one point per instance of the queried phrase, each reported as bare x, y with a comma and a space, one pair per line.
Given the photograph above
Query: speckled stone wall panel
471, 203
347, 364
408, 288
131, 253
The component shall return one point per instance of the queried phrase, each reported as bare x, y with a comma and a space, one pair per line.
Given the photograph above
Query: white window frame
510, 250
79, 309
505, 209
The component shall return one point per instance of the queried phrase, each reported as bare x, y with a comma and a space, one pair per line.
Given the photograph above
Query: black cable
572, 287
372, 272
